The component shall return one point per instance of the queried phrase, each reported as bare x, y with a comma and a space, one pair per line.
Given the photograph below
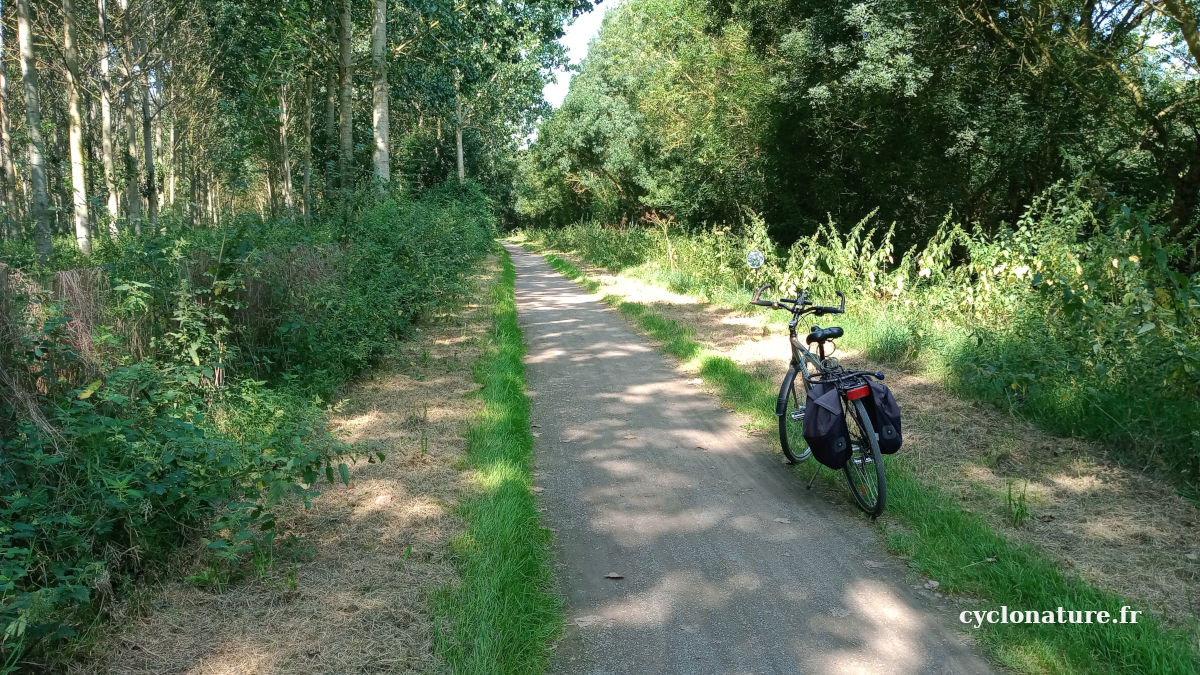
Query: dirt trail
371, 552
1120, 529
728, 564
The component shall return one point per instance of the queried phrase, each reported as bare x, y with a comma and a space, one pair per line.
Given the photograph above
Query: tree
133, 199
107, 154
78, 179
1134, 64
285, 157
33, 122
346, 92
210, 108
8, 169
151, 189
379, 63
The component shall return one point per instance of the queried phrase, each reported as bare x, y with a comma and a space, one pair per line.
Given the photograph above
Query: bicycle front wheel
864, 470
789, 407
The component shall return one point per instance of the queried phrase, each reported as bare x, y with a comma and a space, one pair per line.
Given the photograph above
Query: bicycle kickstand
810, 480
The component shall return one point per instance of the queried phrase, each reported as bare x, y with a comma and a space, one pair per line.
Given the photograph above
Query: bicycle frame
800, 352
869, 490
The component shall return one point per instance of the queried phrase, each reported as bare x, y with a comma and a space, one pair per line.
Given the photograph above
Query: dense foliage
697, 129
1076, 318
211, 215
802, 110
200, 110
173, 391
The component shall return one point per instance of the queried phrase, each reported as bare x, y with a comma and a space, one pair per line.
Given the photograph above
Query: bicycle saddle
822, 334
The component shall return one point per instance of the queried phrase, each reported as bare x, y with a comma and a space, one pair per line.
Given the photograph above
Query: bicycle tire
868, 486
789, 408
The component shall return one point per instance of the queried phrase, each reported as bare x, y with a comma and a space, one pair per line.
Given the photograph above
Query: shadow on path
729, 564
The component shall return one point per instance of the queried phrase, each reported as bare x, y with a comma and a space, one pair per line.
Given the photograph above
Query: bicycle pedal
797, 415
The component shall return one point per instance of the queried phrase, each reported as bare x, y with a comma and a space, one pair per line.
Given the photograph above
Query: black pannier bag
885, 416
825, 425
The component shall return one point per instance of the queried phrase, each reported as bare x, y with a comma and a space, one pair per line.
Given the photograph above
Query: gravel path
729, 565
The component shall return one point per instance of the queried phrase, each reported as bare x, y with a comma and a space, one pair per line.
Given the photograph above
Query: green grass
503, 615
937, 538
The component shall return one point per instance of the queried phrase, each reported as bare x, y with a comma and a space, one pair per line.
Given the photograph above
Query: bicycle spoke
864, 471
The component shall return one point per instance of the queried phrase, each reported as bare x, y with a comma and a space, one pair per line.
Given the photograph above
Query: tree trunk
107, 155
329, 141
8, 168
91, 122
151, 189
1184, 202
212, 205
308, 124
79, 204
271, 192
345, 69
379, 63
193, 183
172, 155
286, 158
33, 119
133, 200
462, 172
54, 154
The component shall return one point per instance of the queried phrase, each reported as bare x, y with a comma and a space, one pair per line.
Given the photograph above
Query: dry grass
84, 292
370, 554
18, 384
1119, 529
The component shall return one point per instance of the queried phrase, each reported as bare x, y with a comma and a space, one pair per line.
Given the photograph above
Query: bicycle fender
784, 390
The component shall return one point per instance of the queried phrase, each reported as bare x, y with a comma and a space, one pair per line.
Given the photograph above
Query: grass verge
937, 538
503, 615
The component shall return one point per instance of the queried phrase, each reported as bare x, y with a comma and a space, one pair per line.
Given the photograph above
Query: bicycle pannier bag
885, 417
825, 426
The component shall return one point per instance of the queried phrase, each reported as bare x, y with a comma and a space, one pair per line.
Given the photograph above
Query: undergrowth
171, 388
939, 539
502, 616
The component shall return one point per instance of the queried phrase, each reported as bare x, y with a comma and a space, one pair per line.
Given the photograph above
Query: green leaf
344, 472
91, 389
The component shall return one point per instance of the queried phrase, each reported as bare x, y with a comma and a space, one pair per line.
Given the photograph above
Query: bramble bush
176, 394
1077, 316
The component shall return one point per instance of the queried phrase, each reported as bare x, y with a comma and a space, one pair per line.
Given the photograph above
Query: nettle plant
858, 261
102, 479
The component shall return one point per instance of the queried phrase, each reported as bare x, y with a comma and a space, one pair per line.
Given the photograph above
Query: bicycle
864, 470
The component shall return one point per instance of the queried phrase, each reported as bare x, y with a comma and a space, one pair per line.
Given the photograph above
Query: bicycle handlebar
758, 294
798, 303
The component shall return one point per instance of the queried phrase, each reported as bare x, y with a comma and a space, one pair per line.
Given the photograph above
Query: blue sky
579, 34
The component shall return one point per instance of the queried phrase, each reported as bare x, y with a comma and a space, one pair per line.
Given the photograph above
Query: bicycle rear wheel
789, 408
864, 470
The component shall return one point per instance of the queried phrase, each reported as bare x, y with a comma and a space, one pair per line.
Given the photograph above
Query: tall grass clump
1077, 317
616, 248
169, 389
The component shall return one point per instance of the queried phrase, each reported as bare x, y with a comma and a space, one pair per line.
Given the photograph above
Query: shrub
171, 391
